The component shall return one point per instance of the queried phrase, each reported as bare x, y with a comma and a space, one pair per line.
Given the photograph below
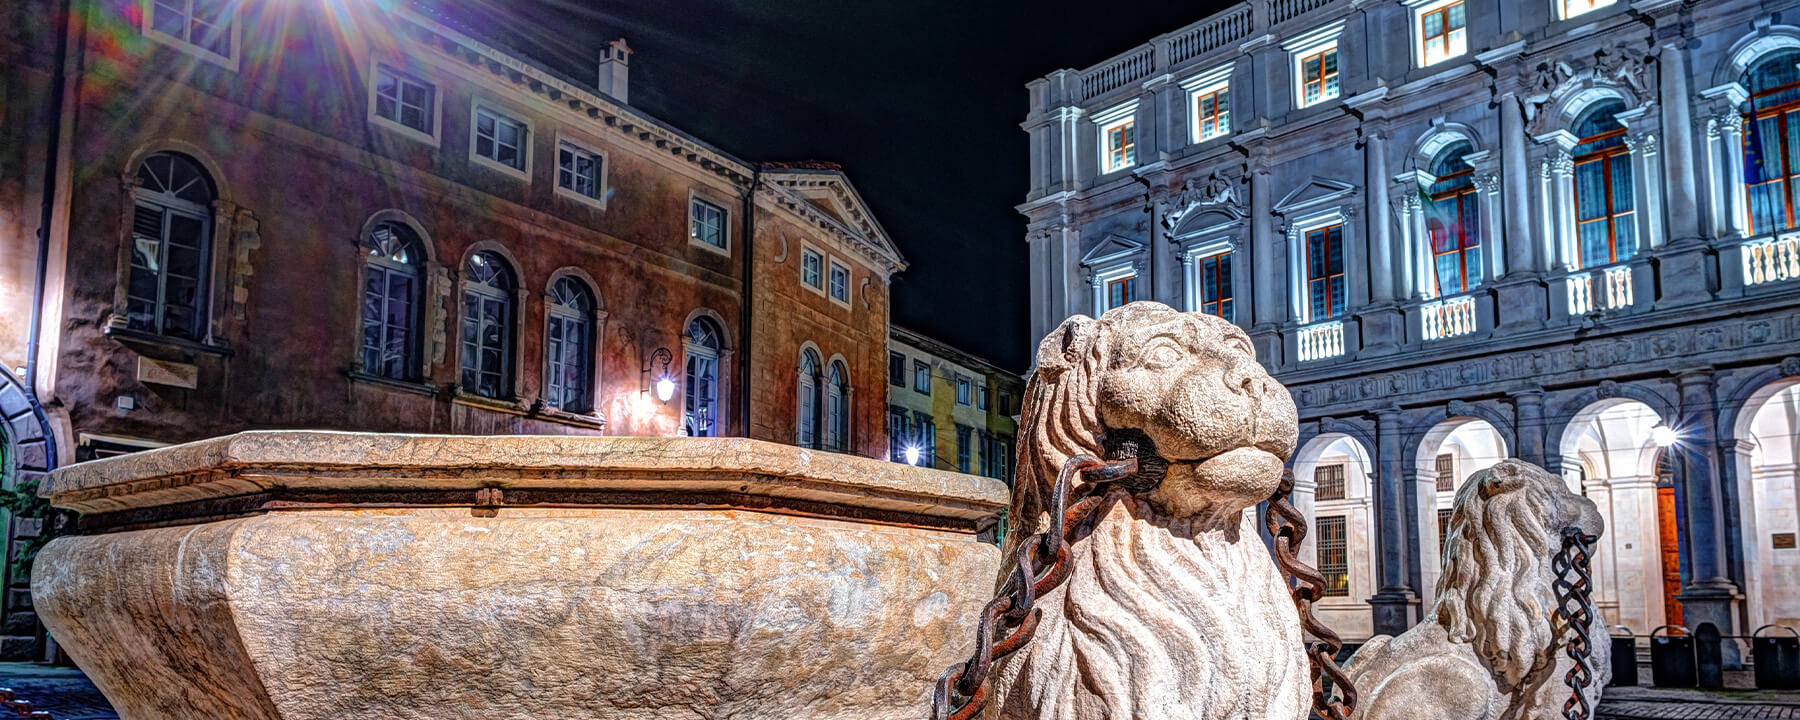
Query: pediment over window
1112, 248
1206, 220
1315, 192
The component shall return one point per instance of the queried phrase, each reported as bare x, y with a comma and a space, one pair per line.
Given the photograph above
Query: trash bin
1777, 658
1672, 658
1709, 657
1624, 657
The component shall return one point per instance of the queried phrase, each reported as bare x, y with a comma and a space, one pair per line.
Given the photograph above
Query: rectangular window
204, 24
1212, 113
999, 458
840, 282
1444, 530
925, 438
1446, 473
1005, 402
898, 433
1442, 32
405, 101
500, 138
1319, 76
1325, 272
578, 170
1330, 481
1120, 291
812, 269
981, 396
1334, 556
963, 436
1120, 143
1215, 285
896, 369
964, 390
706, 223
922, 376
1571, 8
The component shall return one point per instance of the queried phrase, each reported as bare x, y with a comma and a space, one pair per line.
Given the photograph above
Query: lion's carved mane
1492, 646
1164, 617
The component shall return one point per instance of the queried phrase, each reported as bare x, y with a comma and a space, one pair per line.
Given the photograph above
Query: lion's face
1191, 383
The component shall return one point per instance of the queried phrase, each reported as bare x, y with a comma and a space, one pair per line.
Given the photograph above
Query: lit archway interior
1450, 452
1331, 487
1766, 477
1610, 454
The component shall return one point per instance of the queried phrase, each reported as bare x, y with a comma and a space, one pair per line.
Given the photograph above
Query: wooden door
1671, 554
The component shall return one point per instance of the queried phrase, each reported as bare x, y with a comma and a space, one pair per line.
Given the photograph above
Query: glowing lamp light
912, 455
665, 389
1664, 435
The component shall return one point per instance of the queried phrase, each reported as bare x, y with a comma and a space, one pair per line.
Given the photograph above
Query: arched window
807, 401
568, 346
837, 408
171, 232
390, 304
487, 328
701, 400
1771, 139
1605, 223
1451, 223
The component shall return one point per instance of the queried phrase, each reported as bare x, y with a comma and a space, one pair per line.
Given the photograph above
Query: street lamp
665, 386
912, 455
1663, 435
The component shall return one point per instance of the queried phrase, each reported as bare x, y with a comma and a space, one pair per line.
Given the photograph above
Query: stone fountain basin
295, 575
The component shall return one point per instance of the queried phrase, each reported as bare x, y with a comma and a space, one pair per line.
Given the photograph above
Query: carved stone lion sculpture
1174, 609
1492, 647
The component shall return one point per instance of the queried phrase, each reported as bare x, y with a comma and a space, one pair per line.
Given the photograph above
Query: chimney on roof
615, 70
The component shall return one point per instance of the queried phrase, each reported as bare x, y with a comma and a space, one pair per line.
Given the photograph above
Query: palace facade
361, 216
1462, 230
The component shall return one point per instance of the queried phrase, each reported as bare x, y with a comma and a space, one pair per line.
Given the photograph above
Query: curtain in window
487, 326
700, 401
1325, 272
1605, 223
392, 257
568, 348
1771, 142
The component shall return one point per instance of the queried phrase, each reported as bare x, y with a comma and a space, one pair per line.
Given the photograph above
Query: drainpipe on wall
34, 332
745, 313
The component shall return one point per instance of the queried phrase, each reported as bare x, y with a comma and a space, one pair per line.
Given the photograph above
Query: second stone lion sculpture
1492, 647
1174, 609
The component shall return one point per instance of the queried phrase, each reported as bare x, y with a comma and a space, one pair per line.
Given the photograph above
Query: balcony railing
1447, 318
1320, 341
1608, 289
1772, 259
1221, 30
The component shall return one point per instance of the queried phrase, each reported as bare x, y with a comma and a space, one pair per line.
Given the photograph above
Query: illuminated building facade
948, 409
357, 216
1461, 230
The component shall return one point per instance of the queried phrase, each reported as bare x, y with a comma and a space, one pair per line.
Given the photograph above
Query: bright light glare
912, 456
1663, 435
665, 389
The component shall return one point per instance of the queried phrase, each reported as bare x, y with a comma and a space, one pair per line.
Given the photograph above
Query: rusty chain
1288, 528
962, 691
1574, 607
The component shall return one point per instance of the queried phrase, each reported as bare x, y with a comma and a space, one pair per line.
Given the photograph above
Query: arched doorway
1769, 502
1449, 453
1612, 452
1332, 490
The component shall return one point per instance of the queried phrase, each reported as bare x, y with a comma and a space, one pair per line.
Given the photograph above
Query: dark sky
919, 100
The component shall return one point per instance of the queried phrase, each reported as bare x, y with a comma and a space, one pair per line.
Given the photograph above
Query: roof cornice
860, 230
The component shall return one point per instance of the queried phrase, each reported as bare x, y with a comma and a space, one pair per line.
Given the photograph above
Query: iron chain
1574, 607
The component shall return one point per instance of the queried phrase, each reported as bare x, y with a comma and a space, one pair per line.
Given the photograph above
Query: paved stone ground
69, 696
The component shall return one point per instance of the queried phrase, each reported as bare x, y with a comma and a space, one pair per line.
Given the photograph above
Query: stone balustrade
1772, 259
1321, 341
1448, 317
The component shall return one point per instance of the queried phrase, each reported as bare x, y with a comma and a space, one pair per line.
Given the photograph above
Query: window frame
965, 390
598, 199
1220, 94
1468, 199
1445, 466
589, 323
507, 389
231, 61
1785, 115
1341, 567
831, 285
1126, 153
169, 205
429, 137
1336, 474
1301, 84
964, 437
896, 369
1452, 50
809, 402
715, 354
1306, 273
1223, 278
921, 370
1565, 8
476, 110
836, 407
810, 253
696, 200
412, 364
1606, 157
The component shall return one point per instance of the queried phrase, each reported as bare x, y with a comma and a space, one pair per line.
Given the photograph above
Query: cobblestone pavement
68, 695
63, 691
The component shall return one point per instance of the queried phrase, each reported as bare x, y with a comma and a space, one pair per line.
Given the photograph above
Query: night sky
920, 101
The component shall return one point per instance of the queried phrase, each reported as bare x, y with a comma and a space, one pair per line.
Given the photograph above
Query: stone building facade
1460, 230
363, 217
948, 409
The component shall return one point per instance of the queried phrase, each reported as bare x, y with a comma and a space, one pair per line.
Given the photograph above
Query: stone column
1268, 306
1709, 594
1528, 426
1523, 300
1394, 601
1726, 131
1681, 204
1383, 327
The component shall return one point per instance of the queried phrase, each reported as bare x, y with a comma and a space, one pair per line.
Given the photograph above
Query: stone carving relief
1790, 366
1216, 191
1450, 377
1621, 65
1549, 81
1488, 649
1139, 630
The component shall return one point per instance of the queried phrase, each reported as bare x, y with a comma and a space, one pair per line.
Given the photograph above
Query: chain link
1574, 608
1287, 526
